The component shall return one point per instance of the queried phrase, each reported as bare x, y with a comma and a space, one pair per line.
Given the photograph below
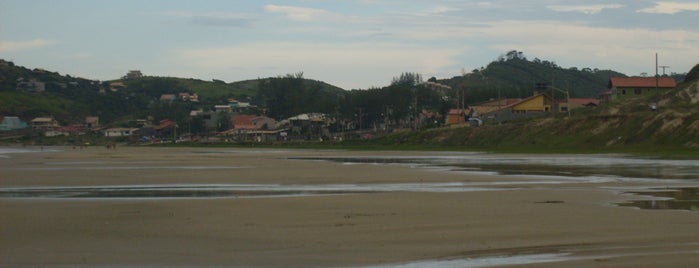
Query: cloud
586, 9
10, 46
670, 8
298, 13
214, 19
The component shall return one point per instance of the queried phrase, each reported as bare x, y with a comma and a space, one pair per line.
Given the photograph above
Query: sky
353, 44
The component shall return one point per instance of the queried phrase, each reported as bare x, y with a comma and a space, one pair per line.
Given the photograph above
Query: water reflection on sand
525, 169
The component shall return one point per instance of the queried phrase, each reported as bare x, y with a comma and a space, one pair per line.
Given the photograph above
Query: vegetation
623, 126
626, 125
514, 76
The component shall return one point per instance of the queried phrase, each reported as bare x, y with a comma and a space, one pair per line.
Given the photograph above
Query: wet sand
577, 221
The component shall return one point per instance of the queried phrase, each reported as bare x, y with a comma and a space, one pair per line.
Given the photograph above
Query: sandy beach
498, 221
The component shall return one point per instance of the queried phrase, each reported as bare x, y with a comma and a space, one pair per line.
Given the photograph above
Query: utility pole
664, 67
360, 119
657, 78
567, 92
415, 114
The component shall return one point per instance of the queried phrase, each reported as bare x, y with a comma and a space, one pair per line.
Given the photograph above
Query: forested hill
515, 76
30, 93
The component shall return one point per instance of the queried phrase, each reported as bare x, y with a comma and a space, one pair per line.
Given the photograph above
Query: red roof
165, 123
643, 82
243, 121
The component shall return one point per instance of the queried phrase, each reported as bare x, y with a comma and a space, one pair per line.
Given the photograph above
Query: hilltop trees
512, 75
289, 95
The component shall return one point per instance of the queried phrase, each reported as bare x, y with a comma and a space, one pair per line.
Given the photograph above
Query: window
638, 91
623, 92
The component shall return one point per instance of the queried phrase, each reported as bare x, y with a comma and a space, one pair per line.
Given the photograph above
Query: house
119, 132
116, 86
222, 108
252, 122
457, 116
441, 88
8, 123
133, 74
253, 128
309, 126
537, 103
481, 108
92, 122
623, 87
575, 103
605, 96
184, 96
164, 126
169, 98
65, 131
534, 106
238, 106
44, 123
31, 85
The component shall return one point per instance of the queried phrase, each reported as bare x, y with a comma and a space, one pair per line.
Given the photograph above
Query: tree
407, 80
224, 122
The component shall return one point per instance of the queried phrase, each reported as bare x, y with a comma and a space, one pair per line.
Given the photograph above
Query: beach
330, 214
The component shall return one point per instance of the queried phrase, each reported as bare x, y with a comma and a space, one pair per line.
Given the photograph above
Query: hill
34, 93
625, 125
514, 76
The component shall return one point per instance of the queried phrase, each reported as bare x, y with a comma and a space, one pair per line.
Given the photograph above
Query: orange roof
243, 121
647, 82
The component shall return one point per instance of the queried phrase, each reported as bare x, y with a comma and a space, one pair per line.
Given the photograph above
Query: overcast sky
349, 43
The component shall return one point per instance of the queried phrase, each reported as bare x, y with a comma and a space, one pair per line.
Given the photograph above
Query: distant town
241, 121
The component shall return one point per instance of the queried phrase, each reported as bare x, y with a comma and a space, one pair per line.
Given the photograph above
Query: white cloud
587, 9
10, 46
670, 8
213, 18
298, 13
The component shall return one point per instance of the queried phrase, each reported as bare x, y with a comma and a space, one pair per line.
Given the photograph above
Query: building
8, 123
457, 116
534, 106
486, 107
119, 132
441, 88
575, 103
222, 108
31, 85
44, 124
168, 98
92, 122
184, 96
623, 87
252, 122
133, 74
238, 106
116, 86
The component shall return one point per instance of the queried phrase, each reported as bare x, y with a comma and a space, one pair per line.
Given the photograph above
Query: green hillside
626, 125
514, 76
70, 99
622, 124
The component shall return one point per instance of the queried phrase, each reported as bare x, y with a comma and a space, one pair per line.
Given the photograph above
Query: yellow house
536, 103
534, 106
